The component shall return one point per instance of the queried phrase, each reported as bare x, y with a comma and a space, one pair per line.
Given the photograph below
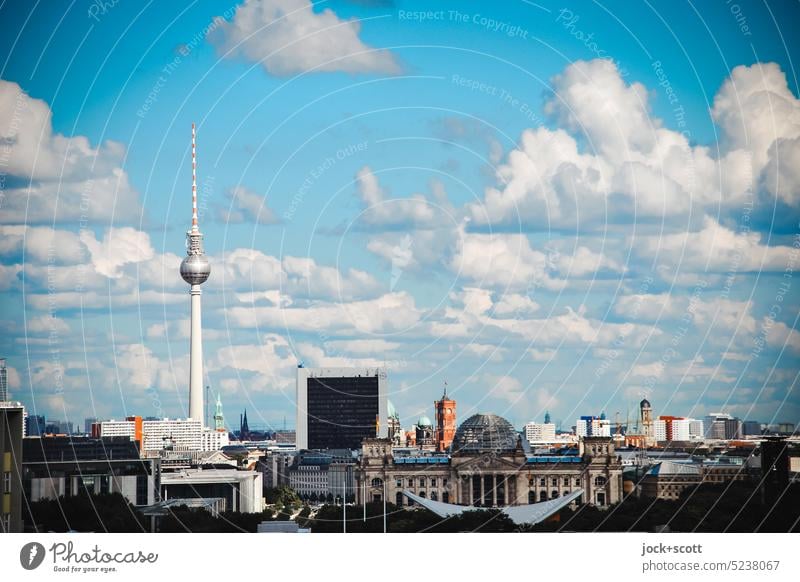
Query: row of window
420, 482
599, 481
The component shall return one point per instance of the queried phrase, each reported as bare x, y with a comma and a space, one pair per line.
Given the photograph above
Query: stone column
494, 490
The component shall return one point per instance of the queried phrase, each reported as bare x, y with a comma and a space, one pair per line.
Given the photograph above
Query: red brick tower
445, 421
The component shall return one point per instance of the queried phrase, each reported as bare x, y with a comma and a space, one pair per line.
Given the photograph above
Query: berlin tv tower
195, 270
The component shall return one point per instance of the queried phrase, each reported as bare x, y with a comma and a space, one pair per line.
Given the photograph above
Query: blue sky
551, 206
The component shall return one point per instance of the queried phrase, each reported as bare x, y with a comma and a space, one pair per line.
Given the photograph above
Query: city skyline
385, 200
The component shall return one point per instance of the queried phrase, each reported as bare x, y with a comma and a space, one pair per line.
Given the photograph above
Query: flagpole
384, 503
364, 498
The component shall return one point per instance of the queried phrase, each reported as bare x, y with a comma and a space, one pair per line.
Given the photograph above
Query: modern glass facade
341, 411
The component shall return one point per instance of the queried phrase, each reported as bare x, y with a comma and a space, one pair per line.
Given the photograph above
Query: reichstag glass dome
484, 433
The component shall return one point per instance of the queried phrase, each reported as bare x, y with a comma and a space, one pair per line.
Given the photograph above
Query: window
554, 495
531, 497
600, 481
555, 482
377, 482
398, 482
422, 494
411, 482
398, 499
446, 497
541, 482
422, 481
7, 481
434, 496
444, 482
577, 482
433, 481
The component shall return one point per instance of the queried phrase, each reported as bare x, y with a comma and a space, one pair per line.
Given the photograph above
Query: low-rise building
668, 479
241, 490
68, 465
536, 432
323, 474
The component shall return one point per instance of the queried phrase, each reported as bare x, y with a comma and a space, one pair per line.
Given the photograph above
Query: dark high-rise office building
339, 407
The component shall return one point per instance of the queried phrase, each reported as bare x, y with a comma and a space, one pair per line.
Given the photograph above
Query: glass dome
484, 433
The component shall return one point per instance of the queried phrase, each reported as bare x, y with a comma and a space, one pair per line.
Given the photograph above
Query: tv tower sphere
195, 269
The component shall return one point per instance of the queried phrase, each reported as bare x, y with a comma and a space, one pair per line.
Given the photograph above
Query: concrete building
68, 465
11, 490
490, 465
672, 428
274, 467
242, 491
696, 430
668, 479
339, 407
592, 426
176, 434
722, 426
537, 433
323, 474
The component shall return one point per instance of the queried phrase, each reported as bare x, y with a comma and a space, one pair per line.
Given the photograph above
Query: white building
536, 432
660, 430
213, 440
184, 434
112, 428
592, 426
672, 429
241, 490
309, 479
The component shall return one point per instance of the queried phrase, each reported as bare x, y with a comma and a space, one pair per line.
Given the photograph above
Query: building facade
64, 466
536, 432
339, 407
176, 434
592, 426
445, 412
11, 491
488, 466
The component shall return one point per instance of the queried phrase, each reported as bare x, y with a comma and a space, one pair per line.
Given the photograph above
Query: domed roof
390, 411
485, 433
645, 404
424, 421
